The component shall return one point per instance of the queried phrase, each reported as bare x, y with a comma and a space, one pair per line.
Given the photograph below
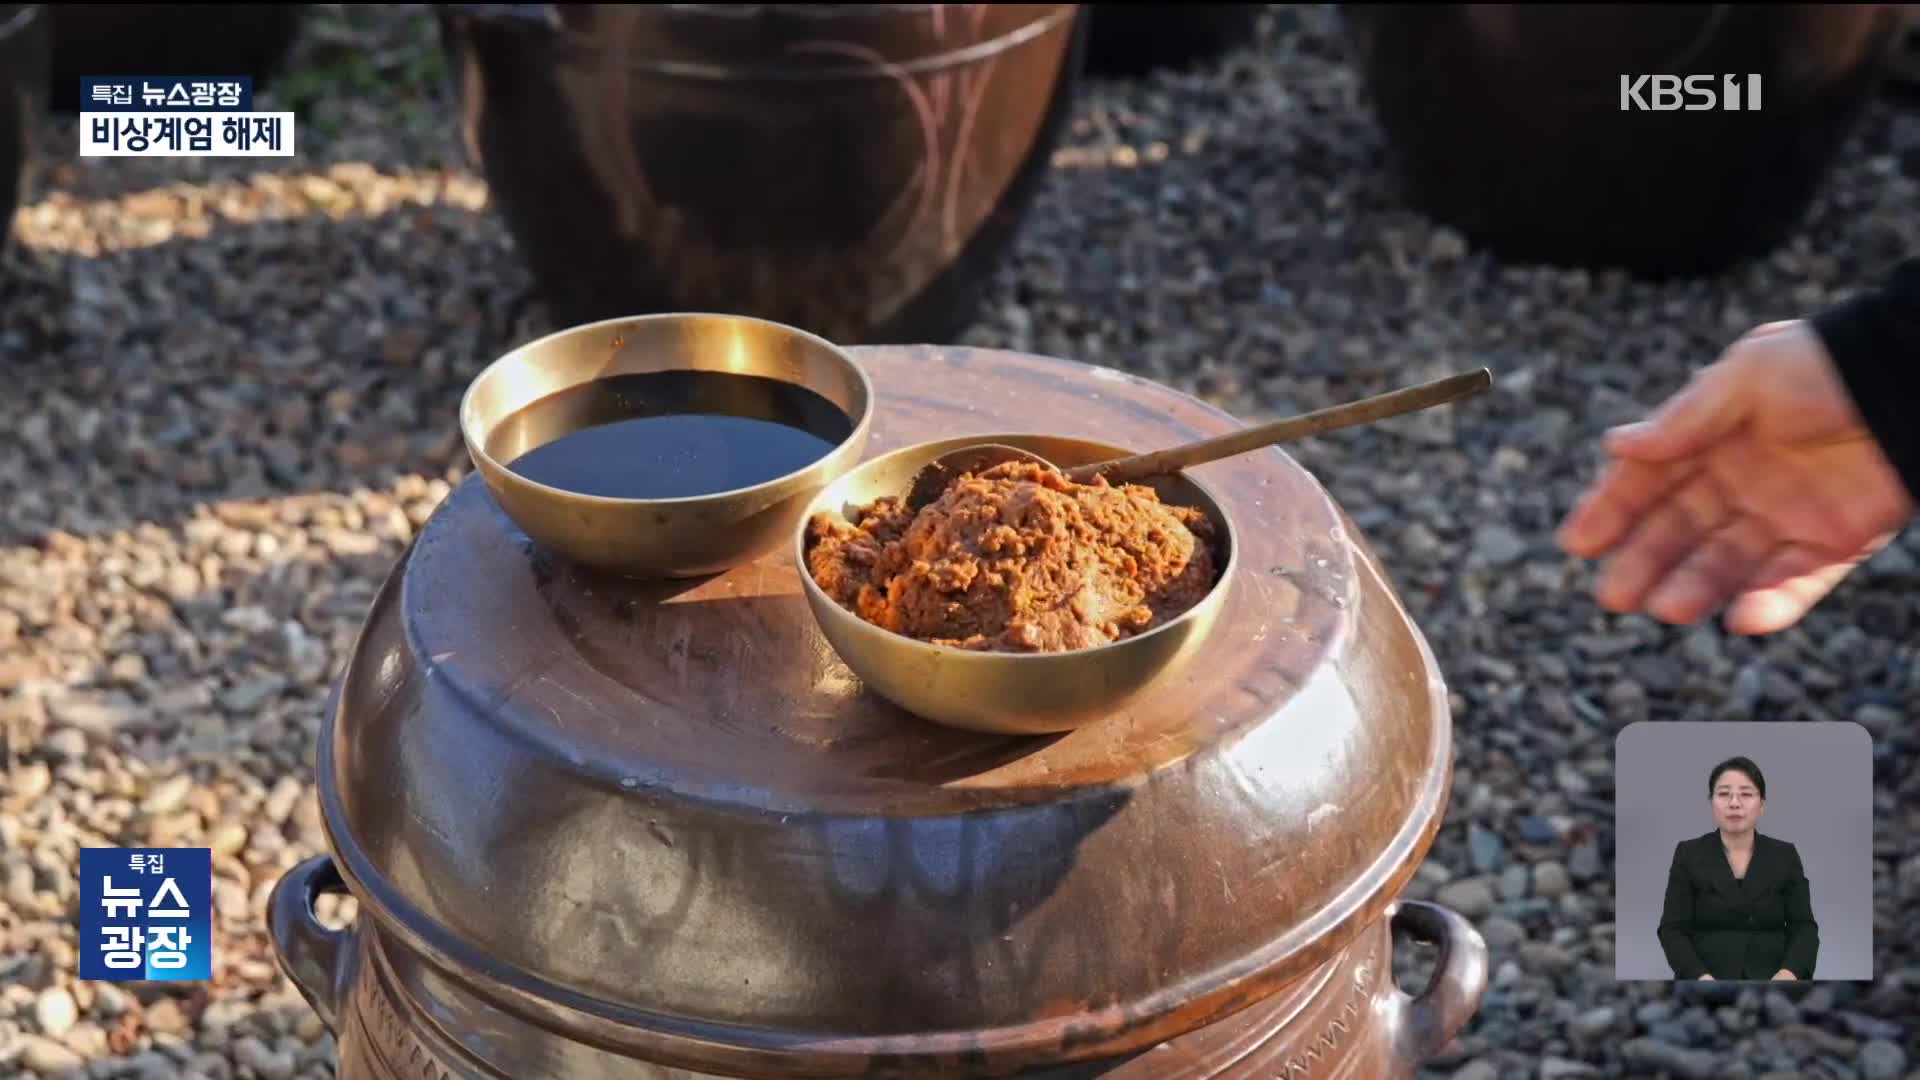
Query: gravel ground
233, 400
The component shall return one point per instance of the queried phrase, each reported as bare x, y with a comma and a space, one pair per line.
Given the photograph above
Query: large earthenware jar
1134, 39
25, 40
1510, 122
1903, 68
168, 39
605, 828
858, 171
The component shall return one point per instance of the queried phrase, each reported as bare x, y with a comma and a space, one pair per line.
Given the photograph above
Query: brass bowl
663, 538
1010, 693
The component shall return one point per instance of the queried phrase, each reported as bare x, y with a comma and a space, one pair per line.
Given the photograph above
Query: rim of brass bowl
687, 536
1011, 693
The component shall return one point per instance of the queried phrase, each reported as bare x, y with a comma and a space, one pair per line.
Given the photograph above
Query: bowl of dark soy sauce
666, 446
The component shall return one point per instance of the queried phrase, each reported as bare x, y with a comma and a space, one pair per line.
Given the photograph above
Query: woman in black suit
1738, 903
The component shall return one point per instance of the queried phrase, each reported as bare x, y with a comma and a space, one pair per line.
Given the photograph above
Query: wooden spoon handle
1379, 407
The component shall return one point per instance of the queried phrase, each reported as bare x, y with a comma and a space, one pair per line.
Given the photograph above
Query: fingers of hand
1608, 511
1784, 588
1712, 573
1662, 537
1706, 410
1772, 328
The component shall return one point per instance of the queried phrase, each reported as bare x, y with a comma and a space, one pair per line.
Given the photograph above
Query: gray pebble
1535, 829
1502, 933
249, 696
1869, 1027
1550, 880
1470, 897
1485, 848
1477, 1069
267, 1063
1592, 1023
1545, 958
151, 1066
1499, 545
1749, 689
1681, 1062
1626, 703
1881, 1059
1513, 882
1584, 863
1879, 720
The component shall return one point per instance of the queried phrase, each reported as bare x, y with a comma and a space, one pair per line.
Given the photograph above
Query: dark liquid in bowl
669, 434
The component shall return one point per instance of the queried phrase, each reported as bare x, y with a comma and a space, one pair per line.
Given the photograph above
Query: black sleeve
1676, 921
1874, 339
1803, 934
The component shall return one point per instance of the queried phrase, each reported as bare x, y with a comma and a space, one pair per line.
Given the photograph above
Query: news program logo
178, 116
146, 914
1695, 93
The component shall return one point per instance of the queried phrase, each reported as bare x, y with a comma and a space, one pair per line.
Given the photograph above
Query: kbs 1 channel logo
146, 914
175, 116
1694, 93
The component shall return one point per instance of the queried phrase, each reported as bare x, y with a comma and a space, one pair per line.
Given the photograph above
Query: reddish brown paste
1018, 559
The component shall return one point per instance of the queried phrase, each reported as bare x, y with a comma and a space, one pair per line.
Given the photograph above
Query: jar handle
308, 951
1430, 1019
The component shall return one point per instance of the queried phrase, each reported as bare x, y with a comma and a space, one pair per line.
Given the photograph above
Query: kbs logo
1695, 93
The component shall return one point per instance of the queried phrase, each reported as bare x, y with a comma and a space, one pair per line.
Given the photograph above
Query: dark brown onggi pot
168, 39
1902, 81
1131, 40
600, 828
857, 171
1505, 121
25, 41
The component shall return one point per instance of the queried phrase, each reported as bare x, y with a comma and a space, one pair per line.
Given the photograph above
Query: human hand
1757, 483
1706, 978
1783, 975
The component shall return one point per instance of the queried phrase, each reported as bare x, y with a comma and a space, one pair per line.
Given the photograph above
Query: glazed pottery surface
1506, 121
856, 171
168, 39
593, 823
1134, 39
25, 40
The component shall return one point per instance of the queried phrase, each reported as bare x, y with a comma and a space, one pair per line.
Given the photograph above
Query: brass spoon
934, 478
